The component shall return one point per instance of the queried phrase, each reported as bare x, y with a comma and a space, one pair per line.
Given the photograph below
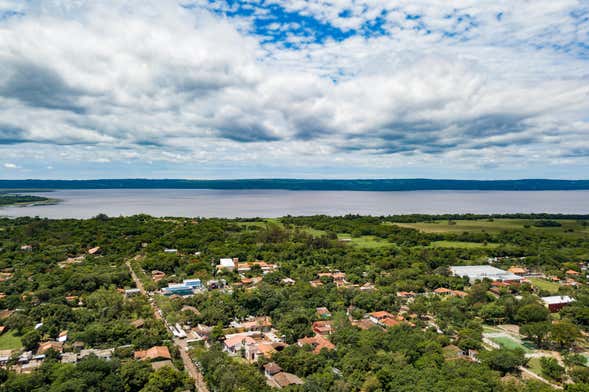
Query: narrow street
189, 365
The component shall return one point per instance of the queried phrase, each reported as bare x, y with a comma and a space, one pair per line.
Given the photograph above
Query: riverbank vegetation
7, 199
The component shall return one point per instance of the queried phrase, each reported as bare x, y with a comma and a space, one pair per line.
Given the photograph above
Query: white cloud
151, 81
10, 166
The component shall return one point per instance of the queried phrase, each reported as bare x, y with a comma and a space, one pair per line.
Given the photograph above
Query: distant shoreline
18, 199
375, 185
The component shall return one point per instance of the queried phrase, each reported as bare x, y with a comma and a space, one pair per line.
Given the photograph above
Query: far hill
410, 184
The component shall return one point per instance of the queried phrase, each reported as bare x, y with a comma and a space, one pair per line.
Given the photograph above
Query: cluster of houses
189, 287
501, 280
514, 276
28, 361
339, 279
233, 265
255, 339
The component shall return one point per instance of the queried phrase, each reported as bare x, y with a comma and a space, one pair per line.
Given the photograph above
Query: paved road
190, 367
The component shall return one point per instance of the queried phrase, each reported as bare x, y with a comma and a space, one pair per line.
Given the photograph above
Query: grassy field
545, 285
366, 241
274, 221
535, 366
494, 226
9, 341
509, 343
460, 244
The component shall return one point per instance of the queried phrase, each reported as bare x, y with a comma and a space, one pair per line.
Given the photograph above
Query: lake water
276, 203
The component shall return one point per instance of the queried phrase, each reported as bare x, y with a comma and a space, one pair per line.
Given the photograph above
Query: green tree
503, 360
134, 374
536, 331
532, 313
564, 333
493, 313
166, 379
30, 340
551, 368
580, 374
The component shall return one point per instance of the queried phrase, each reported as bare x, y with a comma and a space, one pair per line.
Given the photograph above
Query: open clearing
492, 226
461, 244
366, 241
535, 366
509, 343
545, 285
9, 341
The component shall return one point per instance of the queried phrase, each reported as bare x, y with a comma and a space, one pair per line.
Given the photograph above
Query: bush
551, 368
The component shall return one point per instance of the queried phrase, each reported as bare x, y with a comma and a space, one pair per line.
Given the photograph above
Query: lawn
9, 341
460, 226
535, 366
313, 232
509, 343
365, 241
461, 244
260, 224
494, 226
545, 285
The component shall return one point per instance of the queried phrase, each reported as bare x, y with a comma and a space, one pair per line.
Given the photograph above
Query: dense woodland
381, 251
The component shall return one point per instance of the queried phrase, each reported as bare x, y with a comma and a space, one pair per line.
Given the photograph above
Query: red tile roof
155, 352
318, 342
381, 315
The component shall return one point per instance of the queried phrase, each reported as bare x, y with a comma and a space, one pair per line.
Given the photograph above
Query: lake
276, 203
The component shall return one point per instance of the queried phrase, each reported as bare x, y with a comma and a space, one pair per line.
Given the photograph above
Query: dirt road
190, 367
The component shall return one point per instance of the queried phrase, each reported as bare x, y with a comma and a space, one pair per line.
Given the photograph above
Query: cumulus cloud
200, 83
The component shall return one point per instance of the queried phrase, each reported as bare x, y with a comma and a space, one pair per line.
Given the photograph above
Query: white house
227, 264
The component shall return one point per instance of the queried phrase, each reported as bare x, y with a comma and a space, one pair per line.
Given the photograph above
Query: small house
154, 353
556, 302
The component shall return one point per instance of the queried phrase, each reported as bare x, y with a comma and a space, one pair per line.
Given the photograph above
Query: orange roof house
571, 272
518, 270
390, 322
442, 290
323, 327
262, 323
156, 352
234, 343
46, 346
318, 343
381, 315
458, 293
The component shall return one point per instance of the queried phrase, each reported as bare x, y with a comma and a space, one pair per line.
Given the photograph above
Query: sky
472, 89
